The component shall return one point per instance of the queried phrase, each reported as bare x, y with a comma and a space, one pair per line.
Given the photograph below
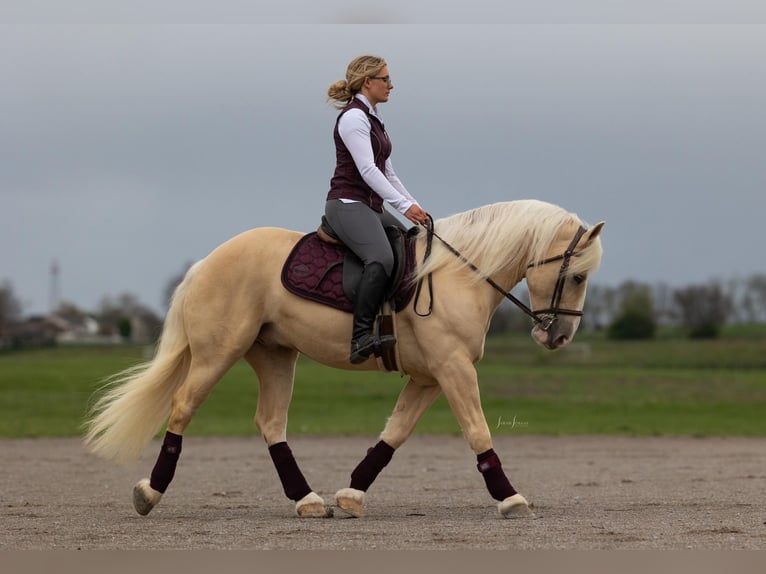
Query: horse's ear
594, 232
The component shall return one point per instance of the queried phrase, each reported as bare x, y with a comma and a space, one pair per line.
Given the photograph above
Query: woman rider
364, 178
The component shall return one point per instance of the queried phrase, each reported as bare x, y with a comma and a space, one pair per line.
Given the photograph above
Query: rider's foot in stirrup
369, 344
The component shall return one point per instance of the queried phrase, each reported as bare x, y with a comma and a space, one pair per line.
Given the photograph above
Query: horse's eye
579, 279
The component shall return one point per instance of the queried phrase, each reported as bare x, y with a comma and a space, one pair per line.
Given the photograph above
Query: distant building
50, 330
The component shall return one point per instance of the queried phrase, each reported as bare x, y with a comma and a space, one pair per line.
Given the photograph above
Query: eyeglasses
386, 79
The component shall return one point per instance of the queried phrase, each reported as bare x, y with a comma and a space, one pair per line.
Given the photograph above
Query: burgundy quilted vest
347, 182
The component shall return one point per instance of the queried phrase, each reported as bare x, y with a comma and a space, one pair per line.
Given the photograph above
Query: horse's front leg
459, 382
413, 401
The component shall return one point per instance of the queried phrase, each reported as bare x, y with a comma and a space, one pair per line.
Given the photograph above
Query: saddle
321, 269
327, 272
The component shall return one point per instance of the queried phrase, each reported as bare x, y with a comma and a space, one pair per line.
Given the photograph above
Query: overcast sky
128, 150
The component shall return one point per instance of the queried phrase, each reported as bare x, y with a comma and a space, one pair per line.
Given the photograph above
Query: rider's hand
416, 214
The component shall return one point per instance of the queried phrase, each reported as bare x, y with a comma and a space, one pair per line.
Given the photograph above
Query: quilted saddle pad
314, 271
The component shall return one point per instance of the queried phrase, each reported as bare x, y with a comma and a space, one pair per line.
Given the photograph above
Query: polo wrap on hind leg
368, 470
165, 467
498, 484
292, 478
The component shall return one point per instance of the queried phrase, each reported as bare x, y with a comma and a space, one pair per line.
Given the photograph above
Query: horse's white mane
506, 235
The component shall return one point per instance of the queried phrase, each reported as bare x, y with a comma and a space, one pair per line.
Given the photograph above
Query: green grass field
669, 386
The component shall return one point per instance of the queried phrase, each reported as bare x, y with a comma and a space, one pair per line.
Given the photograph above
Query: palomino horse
232, 305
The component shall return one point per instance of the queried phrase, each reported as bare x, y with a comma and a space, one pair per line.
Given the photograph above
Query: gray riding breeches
362, 230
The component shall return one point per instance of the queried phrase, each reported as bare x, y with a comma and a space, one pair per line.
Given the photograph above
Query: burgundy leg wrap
367, 470
165, 467
292, 478
498, 484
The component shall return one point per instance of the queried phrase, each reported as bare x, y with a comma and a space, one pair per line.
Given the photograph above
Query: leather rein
544, 318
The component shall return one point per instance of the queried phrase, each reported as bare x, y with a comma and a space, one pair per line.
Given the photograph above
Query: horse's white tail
137, 401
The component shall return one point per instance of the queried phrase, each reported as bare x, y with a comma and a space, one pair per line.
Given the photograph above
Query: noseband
543, 318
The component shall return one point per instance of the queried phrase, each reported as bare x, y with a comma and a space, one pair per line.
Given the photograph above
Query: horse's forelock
588, 258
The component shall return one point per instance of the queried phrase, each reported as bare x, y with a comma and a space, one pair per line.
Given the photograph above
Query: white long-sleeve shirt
354, 129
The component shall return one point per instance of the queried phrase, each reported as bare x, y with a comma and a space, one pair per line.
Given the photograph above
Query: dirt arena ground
587, 492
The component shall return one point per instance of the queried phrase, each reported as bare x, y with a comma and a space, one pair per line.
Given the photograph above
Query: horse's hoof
145, 497
351, 501
312, 506
515, 506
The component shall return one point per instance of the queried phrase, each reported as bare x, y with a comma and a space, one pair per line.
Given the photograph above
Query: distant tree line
122, 318
635, 310
120, 315
10, 308
632, 310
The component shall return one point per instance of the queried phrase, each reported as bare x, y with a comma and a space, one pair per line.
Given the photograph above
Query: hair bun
339, 92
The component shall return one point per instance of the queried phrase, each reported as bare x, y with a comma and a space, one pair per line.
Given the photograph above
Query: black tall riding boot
369, 297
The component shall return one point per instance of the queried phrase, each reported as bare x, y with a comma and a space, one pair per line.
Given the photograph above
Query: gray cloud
129, 149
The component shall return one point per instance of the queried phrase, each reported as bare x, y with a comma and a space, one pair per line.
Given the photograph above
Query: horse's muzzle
558, 335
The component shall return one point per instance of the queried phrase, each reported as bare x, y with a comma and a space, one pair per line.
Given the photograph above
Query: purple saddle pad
314, 271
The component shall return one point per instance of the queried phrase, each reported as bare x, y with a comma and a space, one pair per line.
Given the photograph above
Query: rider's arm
354, 129
396, 182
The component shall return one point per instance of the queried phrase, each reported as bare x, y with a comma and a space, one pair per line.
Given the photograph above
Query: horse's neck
507, 274
507, 279
504, 279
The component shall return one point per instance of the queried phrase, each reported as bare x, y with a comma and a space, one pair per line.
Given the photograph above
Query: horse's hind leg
202, 377
413, 401
275, 367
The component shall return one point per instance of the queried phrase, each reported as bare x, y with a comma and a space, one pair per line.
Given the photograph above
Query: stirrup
368, 345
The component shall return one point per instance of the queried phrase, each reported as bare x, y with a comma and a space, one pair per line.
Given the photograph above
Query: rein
545, 317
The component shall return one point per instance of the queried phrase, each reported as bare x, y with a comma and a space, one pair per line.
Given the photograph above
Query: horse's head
558, 281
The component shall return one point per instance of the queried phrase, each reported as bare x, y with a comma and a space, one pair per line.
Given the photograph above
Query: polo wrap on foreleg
498, 485
165, 467
368, 470
292, 478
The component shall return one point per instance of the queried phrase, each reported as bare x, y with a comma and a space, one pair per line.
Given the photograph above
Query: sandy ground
587, 493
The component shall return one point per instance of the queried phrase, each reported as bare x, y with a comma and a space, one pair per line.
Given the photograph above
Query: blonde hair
340, 93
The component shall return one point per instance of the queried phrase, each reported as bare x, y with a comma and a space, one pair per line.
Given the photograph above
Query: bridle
546, 317
543, 318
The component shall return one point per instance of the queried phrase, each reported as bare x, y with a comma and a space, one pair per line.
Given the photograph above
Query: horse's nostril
561, 340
